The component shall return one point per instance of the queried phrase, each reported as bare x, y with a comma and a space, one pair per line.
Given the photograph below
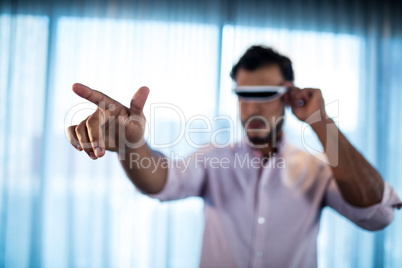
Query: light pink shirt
265, 216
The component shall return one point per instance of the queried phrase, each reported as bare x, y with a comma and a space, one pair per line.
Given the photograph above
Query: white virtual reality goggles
260, 93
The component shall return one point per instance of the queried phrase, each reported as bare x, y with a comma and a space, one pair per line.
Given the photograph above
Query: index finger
92, 95
296, 96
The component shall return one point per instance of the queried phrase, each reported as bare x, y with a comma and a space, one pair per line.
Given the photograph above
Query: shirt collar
281, 145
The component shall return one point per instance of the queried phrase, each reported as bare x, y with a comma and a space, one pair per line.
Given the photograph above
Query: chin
259, 139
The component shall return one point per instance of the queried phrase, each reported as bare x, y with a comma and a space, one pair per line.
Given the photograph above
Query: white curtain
61, 209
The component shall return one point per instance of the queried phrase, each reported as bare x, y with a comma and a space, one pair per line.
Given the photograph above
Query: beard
272, 137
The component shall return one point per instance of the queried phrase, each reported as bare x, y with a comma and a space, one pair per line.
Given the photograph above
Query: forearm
359, 182
147, 169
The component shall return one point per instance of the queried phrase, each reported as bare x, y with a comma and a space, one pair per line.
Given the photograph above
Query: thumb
138, 100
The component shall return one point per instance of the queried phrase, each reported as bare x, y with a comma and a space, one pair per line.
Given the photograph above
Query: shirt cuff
168, 189
379, 215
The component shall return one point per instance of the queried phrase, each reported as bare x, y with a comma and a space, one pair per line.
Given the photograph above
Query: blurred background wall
58, 208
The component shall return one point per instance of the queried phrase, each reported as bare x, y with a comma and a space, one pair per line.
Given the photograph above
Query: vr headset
259, 93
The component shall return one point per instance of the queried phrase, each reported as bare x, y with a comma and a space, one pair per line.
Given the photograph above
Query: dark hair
260, 56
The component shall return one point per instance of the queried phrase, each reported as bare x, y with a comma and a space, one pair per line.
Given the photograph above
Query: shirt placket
261, 218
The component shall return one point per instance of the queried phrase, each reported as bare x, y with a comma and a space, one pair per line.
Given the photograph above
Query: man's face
261, 119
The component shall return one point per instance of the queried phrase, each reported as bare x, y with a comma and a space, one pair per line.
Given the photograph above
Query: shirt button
261, 220
258, 254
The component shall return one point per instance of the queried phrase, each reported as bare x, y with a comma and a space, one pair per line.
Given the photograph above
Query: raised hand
112, 126
305, 103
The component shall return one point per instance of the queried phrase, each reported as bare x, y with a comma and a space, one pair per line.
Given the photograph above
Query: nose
250, 107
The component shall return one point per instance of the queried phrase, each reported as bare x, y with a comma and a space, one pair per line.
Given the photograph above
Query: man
256, 215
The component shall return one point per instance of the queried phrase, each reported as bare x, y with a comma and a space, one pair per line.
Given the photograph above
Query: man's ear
286, 100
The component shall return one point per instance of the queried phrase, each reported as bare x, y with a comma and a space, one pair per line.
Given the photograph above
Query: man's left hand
305, 102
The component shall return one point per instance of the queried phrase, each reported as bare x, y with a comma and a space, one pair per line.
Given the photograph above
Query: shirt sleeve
185, 177
372, 218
